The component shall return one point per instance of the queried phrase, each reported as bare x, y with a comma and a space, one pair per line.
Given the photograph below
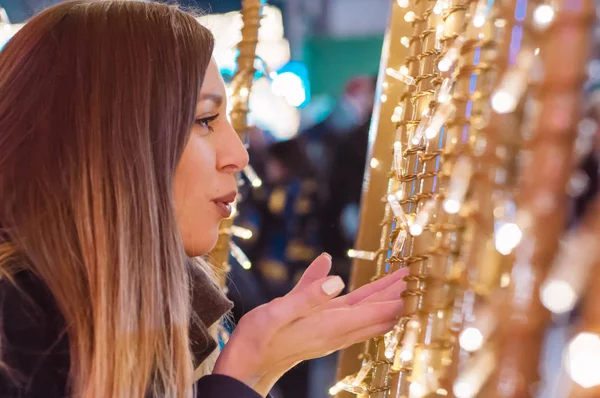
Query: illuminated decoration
474, 204
291, 82
240, 88
7, 30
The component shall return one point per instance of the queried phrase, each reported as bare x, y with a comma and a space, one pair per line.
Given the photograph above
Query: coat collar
209, 304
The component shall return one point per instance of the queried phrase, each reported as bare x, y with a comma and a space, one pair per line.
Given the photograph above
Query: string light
402, 3
423, 217
240, 232
439, 34
409, 342
346, 384
582, 359
362, 254
398, 114
420, 131
405, 41
252, 176
569, 273
398, 211
399, 242
443, 112
401, 75
410, 16
481, 12
374, 163
451, 55
479, 329
459, 183
391, 340
439, 7
476, 373
399, 160
363, 372
513, 84
445, 90
239, 256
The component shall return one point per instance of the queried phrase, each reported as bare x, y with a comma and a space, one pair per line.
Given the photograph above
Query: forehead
213, 82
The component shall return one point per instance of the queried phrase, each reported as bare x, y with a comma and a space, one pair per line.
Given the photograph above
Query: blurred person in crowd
337, 148
282, 213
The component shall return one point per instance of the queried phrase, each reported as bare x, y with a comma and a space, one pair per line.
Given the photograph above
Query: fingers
318, 269
392, 292
363, 316
370, 332
298, 304
366, 291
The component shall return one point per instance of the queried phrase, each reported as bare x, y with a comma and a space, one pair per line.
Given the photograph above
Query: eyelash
205, 122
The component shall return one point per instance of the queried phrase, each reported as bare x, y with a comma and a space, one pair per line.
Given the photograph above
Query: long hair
98, 99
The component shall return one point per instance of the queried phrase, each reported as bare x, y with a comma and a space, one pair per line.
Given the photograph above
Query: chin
203, 246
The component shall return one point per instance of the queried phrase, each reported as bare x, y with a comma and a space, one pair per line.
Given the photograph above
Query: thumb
297, 304
318, 269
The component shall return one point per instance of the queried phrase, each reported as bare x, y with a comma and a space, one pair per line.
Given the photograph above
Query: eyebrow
216, 98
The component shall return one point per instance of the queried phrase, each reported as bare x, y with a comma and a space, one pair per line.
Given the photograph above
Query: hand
309, 322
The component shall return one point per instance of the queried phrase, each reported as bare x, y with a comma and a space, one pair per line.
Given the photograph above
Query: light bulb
582, 359
405, 41
443, 112
451, 206
451, 55
503, 102
416, 390
398, 211
398, 114
458, 186
239, 256
471, 339
439, 34
420, 131
399, 242
252, 176
422, 218
410, 17
402, 3
543, 16
474, 375
445, 90
463, 389
439, 7
362, 373
506, 237
401, 75
558, 296
362, 254
392, 341
240, 232
569, 274
480, 13
399, 160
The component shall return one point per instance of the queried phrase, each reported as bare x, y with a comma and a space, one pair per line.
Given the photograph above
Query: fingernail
333, 285
325, 254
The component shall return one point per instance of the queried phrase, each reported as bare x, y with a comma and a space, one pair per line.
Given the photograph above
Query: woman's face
205, 183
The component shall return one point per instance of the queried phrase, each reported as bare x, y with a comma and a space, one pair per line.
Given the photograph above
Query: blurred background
311, 105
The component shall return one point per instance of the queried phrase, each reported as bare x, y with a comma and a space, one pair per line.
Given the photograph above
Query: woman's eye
205, 122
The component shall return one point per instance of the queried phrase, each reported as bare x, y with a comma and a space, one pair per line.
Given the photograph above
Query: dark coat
35, 346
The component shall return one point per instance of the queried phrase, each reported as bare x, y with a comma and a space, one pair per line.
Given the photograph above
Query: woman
117, 164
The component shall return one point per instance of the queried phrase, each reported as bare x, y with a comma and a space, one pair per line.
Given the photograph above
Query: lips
223, 204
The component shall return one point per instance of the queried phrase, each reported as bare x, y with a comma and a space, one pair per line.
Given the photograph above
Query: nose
233, 156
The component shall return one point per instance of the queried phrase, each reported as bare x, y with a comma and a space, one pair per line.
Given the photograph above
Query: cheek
197, 218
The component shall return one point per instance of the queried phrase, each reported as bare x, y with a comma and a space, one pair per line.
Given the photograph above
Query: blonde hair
98, 99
